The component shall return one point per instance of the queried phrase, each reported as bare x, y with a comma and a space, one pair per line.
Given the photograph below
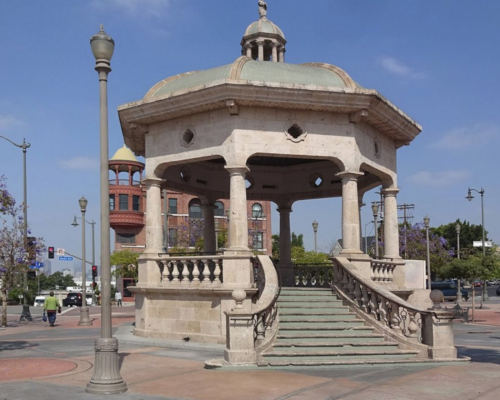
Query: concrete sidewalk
39, 362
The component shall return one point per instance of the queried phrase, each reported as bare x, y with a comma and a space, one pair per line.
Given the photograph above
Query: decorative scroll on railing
383, 270
379, 304
194, 270
313, 275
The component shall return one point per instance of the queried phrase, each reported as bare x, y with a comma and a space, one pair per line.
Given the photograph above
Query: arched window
219, 209
257, 211
195, 208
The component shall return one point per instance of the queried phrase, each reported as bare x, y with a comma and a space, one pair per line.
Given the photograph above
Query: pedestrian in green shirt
51, 306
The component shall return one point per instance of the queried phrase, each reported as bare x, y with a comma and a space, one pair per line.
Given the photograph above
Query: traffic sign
37, 265
65, 258
60, 252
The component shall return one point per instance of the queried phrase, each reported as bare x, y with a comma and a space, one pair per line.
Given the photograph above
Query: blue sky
436, 60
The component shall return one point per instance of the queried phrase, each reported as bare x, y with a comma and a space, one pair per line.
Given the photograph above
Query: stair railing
257, 327
410, 326
313, 275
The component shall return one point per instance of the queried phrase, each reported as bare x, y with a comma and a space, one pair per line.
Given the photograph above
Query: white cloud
439, 178
83, 163
7, 122
135, 8
396, 67
477, 135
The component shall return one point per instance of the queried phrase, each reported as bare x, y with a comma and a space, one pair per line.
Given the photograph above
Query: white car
39, 301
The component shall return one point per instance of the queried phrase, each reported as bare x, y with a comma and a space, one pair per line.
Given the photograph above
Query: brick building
184, 219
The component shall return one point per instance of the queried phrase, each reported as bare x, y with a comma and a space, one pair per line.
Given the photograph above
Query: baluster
374, 305
375, 270
217, 271
357, 293
383, 311
365, 300
345, 280
350, 287
390, 271
260, 328
175, 271
196, 270
412, 326
372, 272
185, 271
396, 319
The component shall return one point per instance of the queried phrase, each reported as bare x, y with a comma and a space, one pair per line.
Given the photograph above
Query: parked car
75, 299
449, 290
39, 301
478, 283
498, 291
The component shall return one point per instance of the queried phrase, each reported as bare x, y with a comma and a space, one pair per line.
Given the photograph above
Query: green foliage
297, 240
468, 234
300, 256
126, 263
276, 247
473, 267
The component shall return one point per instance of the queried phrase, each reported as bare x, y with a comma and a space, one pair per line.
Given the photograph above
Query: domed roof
124, 154
247, 71
263, 25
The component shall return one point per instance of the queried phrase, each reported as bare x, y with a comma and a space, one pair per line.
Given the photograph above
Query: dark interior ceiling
273, 161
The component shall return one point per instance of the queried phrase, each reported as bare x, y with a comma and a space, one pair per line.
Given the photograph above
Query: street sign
65, 258
60, 252
487, 243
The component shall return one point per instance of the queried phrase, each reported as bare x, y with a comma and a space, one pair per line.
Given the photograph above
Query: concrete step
329, 337
332, 355
302, 297
311, 303
318, 326
318, 318
295, 347
320, 308
342, 362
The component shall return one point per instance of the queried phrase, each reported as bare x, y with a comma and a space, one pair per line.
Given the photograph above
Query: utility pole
406, 216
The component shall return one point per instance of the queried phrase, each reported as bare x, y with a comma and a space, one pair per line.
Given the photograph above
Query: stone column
285, 264
248, 49
391, 228
260, 44
350, 213
360, 205
282, 54
154, 232
275, 51
238, 220
209, 241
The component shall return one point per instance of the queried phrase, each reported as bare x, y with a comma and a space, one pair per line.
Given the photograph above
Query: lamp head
427, 220
469, 195
315, 226
75, 223
375, 209
83, 203
457, 227
102, 45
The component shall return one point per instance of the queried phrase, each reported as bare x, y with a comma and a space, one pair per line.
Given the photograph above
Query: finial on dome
262, 9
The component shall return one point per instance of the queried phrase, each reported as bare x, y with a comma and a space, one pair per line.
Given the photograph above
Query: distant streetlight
75, 224
375, 210
106, 378
315, 228
25, 315
84, 310
427, 220
470, 197
459, 293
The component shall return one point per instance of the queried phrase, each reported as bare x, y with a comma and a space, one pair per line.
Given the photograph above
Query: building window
172, 206
219, 209
257, 211
124, 202
125, 238
136, 205
258, 241
111, 202
172, 237
195, 208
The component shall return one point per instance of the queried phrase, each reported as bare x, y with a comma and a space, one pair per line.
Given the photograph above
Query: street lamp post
315, 228
84, 310
375, 218
75, 224
25, 315
106, 378
459, 293
427, 220
470, 197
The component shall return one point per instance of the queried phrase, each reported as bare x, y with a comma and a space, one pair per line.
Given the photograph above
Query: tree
468, 234
297, 240
126, 264
15, 257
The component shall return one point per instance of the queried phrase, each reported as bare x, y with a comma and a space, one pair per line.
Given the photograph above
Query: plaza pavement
42, 363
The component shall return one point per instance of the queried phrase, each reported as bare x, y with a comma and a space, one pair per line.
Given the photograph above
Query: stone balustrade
191, 270
383, 270
313, 275
429, 331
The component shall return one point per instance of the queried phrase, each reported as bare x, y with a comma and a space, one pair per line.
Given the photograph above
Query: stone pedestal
239, 338
438, 334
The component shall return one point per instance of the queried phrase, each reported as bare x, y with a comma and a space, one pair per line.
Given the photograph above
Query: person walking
118, 298
51, 306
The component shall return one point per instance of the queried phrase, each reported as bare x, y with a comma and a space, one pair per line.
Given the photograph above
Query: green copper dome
263, 25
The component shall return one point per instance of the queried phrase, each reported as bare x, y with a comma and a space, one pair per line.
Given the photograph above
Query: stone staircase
315, 329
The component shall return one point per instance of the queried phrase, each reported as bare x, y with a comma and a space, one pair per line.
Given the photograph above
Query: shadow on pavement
16, 345
480, 355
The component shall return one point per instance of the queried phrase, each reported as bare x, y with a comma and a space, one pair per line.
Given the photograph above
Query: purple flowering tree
15, 258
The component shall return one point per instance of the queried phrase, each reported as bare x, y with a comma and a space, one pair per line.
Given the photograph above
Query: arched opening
195, 208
